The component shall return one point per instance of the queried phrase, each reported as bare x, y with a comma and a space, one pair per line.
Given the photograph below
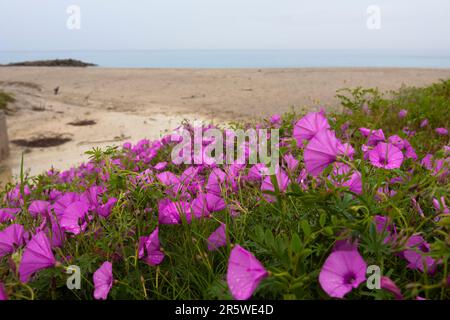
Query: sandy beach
130, 104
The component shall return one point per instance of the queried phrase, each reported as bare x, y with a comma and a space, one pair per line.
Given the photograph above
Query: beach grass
5, 98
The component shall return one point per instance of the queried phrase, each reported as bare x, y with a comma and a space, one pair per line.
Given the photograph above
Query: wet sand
130, 104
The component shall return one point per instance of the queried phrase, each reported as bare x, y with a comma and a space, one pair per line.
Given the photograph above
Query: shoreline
131, 104
333, 68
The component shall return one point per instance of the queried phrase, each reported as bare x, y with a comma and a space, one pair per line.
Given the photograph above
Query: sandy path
129, 104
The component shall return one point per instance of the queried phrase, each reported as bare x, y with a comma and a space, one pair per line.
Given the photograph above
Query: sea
241, 58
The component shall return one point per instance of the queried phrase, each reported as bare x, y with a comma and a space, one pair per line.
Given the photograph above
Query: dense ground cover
365, 187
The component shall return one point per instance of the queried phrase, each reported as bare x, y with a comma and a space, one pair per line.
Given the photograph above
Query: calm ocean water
239, 58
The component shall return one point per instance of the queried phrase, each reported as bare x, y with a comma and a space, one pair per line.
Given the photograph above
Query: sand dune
129, 104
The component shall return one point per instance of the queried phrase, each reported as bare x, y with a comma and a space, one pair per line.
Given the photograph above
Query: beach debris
51, 63
115, 139
194, 97
25, 84
42, 141
81, 123
38, 108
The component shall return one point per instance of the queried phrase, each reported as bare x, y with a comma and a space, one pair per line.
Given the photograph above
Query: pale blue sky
224, 24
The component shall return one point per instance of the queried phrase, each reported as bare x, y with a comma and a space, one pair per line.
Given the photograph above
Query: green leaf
269, 238
306, 228
323, 219
296, 244
260, 233
296, 189
328, 231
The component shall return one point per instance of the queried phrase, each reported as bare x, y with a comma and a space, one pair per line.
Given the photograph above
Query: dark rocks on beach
82, 123
41, 142
51, 63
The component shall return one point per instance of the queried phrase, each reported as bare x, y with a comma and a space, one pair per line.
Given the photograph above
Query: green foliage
5, 98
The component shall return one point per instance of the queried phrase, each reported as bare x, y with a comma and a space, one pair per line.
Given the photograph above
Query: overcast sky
224, 24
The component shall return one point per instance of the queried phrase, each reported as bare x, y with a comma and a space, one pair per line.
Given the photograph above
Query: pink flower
103, 281
39, 207
436, 166
345, 177
366, 149
170, 212
385, 226
389, 285
374, 136
410, 153
346, 244
168, 178
190, 176
63, 202
403, 144
282, 182
320, 152
218, 238
90, 197
427, 161
437, 205
256, 172
409, 132
216, 181
160, 166
354, 184
244, 273
3, 294
396, 141
402, 113
11, 238
15, 196
150, 249
386, 155
72, 220
417, 207
291, 162
441, 131
343, 271
57, 234
275, 119
205, 204
307, 127
105, 209
302, 179
424, 123
416, 254
345, 126
441, 168
384, 192
347, 150
8, 214
37, 255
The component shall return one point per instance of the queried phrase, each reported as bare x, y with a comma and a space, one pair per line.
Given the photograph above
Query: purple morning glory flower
343, 271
